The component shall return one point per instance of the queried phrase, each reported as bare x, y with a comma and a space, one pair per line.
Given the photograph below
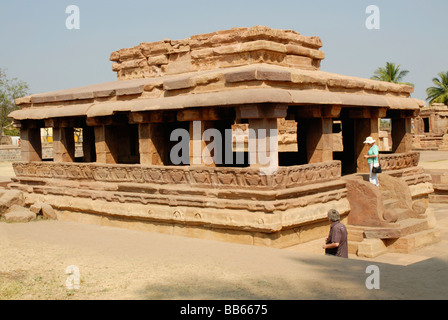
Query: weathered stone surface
238, 46
371, 248
415, 241
366, 204
44, 209
158, 60
399, 190
431, 128
48, 212
419, 207
8, 198
19, 214
246, 178
36, 208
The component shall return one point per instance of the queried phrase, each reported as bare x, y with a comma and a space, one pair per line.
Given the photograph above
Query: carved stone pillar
206, 147
200, 151
401, 135
105, 145
30, 143
263, 132
150, 144
315, 132
63, 144
263, 142
319, 140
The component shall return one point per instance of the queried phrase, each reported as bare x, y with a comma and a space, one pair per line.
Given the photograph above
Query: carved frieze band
397, 161
285, 177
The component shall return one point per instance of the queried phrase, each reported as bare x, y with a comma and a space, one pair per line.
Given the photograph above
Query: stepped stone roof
224, 68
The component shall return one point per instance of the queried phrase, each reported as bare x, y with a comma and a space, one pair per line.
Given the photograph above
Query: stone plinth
196, 201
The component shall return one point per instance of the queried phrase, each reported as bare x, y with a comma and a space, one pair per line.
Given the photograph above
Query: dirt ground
118, 263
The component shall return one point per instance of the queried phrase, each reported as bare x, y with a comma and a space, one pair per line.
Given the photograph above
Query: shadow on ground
330, 278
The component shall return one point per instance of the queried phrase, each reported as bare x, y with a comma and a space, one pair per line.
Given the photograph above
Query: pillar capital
259, 111
152, 117
318, 111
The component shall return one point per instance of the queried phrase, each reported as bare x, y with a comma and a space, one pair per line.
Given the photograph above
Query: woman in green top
372, 159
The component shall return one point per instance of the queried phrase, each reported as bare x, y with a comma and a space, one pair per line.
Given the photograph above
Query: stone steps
403, 228
440, 194
404, 236
371, 248
413, 241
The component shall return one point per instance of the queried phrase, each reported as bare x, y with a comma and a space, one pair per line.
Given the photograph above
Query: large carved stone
365, 204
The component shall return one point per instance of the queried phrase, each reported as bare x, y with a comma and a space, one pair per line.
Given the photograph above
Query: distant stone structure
431, 128
261, 79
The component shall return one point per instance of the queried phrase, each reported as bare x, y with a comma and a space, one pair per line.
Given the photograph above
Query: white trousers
373, 178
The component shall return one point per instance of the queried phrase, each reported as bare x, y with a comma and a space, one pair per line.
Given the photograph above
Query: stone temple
240, 81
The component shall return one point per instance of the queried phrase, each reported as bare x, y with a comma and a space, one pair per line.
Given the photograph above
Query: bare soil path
118, 263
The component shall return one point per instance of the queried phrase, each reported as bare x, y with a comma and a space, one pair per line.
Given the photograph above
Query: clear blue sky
36, 46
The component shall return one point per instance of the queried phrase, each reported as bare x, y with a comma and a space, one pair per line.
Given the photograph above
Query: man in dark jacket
336, 242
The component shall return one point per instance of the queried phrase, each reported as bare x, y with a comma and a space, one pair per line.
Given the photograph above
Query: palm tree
391, 73
438, 93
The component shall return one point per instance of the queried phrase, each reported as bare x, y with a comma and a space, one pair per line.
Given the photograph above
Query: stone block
431, 219
9, 198
129, 54
414, 241
303, 51
192, 231
207, 78
240, 76
154, 48
263, 45
202, 53
353, 247
444, 177
301, 62
177, 67
371, 248
158, 60
115, 56
137, 63
316, 230
301, 78
280, 239
19, 214
36, 208
273, 75
223, 50
48, 212
228, 235
129, 90
366, 204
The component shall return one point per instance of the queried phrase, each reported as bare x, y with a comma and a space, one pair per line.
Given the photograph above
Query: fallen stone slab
9, 198
44, 209
19, 214
36, 208
48, 212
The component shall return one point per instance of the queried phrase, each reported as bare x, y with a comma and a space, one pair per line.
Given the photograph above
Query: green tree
10, 89
391, 73
439, 92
